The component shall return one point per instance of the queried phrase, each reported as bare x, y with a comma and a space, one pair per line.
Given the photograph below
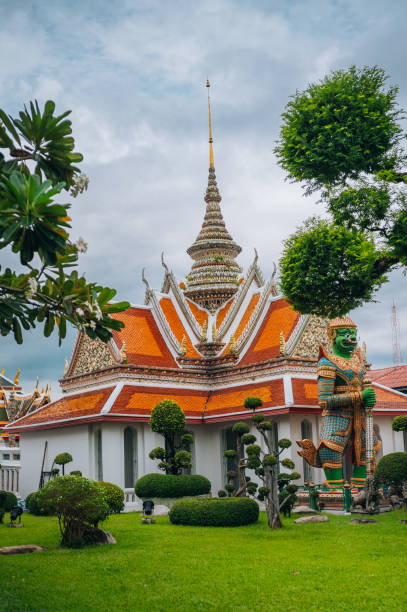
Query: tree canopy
37, 165
342, 136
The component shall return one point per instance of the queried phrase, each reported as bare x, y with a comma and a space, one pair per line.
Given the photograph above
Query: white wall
208, 453
73, 440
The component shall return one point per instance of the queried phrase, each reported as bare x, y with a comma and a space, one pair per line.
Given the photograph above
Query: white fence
9, 479
10, 469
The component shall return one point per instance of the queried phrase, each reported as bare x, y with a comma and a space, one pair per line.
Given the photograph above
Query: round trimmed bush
31, 503
169, 485
114, 496
9, 500
215, 512
392, 470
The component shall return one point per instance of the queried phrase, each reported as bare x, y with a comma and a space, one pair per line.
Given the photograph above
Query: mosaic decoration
313, 336
92, 355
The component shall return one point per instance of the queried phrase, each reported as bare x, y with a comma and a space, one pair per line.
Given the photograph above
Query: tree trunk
241, 470
272, 502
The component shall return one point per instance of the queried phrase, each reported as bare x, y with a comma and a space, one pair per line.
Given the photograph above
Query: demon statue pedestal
346, 399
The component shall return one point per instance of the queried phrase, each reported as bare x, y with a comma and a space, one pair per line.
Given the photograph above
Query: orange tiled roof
78, 405
266, 345
388, 399
144, 342
200, 315
393, 376
176, 325
232, 400
141, 400
222, 313
244, 320
305, 392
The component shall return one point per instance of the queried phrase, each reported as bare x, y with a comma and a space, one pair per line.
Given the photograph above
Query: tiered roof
14, 404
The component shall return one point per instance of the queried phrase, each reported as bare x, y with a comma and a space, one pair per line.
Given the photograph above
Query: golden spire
16, 377
211, 163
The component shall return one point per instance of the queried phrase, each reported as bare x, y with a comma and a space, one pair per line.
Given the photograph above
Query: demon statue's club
344, 393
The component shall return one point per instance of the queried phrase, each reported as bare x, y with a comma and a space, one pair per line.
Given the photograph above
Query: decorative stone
357, 521
98, 536
312, 519
19, 550
303, 510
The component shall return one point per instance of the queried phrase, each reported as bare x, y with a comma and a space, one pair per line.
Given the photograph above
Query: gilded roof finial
211, 162
282, 344
16, 377
123, 353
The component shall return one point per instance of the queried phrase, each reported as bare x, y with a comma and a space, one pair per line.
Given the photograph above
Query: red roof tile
280, 317
222, 313
78, 405
393, 376
200, 315
176, 325
141, 400
144, 342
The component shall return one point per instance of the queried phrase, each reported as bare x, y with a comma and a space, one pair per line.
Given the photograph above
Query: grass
328, 566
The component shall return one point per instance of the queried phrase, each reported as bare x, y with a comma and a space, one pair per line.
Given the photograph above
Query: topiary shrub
63, 459
31, 503
392, 470
9, 500
168, 419
168, 485
216, 512
76, 473
114, 496
78, 503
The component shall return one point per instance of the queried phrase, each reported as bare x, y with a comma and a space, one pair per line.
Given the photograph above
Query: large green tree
37, 166
342, 136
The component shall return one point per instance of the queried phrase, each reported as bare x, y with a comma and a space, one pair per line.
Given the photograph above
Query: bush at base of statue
79, 504
114, 496
7, 500
215, 512
392, 470
169, 485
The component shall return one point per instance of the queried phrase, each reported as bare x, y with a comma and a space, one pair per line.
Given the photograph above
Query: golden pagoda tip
211, 162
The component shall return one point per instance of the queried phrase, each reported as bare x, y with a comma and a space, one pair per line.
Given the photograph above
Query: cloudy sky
133, 72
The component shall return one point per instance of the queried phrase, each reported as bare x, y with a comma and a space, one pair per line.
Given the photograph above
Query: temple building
14, 404
207, 343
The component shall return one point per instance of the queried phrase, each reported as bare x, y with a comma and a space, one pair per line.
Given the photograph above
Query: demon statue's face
345, 341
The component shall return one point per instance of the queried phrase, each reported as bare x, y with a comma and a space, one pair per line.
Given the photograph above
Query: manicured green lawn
329, 566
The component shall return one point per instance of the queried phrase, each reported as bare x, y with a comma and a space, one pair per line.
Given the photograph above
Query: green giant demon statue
344, 393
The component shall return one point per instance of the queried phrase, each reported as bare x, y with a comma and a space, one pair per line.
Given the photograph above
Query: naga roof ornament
213, 278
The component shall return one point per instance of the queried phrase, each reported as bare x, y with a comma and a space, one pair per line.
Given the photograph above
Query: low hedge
168, 485
114, 496
215, 512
